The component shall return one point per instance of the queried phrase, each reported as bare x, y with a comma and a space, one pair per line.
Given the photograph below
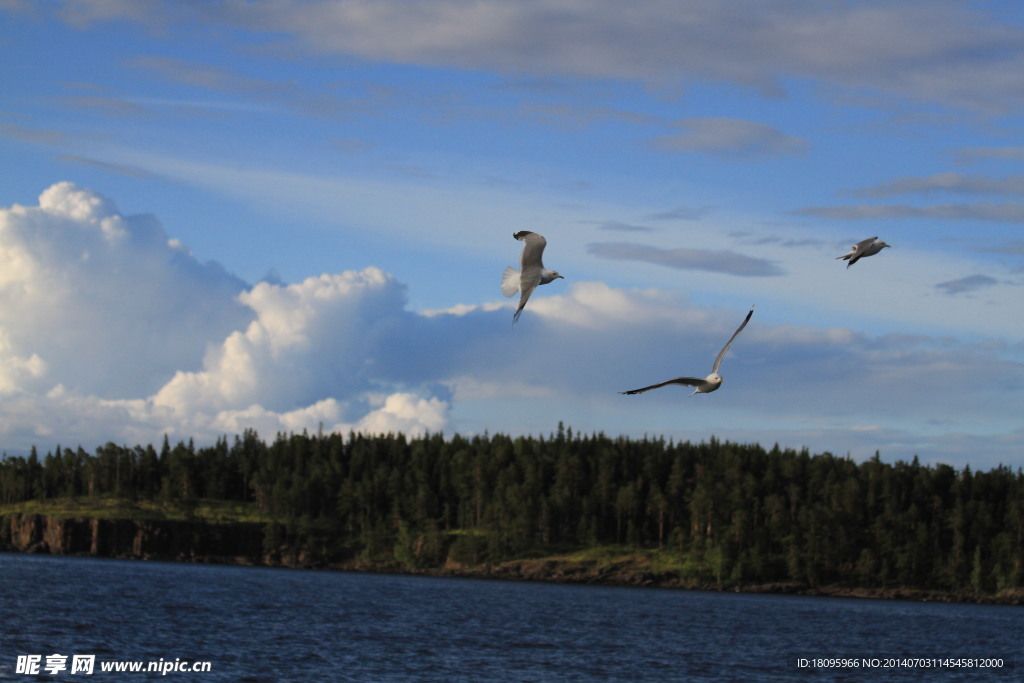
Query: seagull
868, 247
532, 272
707, 384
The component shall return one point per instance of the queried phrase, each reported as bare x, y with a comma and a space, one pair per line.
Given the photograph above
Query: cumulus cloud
309, 341
727, 262
111, 330
313, 357
341, 351
85, 289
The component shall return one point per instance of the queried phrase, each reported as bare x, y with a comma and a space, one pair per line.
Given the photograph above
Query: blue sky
282, 215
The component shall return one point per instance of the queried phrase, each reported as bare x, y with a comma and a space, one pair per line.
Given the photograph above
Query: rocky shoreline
635, 575
242, 543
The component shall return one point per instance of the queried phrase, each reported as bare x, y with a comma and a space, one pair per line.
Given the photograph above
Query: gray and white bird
707, 384
868, 247
532, 271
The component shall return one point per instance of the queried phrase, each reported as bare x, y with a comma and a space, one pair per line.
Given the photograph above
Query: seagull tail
510, 282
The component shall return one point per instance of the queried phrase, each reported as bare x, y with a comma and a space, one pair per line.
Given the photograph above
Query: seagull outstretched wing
687, 381
725, 349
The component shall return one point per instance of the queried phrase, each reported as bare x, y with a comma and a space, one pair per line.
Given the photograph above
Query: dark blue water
258, 624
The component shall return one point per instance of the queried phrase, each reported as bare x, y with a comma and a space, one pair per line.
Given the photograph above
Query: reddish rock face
144, 539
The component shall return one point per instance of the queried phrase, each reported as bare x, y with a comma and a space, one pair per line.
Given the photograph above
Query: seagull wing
725, 349
531, 266
526, 286
688, 381
533, 251
860, 250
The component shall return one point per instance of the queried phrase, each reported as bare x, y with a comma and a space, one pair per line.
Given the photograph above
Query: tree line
731, 514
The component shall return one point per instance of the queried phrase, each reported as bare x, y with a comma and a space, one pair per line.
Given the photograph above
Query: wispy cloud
966, 285
1003, 213
682, 213
945, 182
224, 80
618, 226
913, 49
760, 240
726, 262
971, 154
33, 135
1015, 247
110, 105
128, 170
730, 138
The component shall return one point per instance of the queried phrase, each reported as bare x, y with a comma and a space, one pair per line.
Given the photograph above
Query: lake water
260, 624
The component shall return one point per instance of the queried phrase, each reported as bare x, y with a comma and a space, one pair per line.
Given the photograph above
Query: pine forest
728, 514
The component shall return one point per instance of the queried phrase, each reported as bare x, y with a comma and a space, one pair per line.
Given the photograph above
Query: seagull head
547, 276
883, 245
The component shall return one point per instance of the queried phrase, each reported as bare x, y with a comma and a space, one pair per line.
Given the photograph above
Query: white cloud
404, 413
342, 352
308, 341
111, 331
84, 289
311, 359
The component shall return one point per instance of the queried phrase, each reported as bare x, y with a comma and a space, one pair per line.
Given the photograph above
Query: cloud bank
111, 331
84, 289
913, 49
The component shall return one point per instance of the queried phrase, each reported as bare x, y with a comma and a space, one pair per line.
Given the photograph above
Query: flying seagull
532, 271
707, 384
868, 247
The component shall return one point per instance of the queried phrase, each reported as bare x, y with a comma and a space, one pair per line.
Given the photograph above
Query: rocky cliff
237, 543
